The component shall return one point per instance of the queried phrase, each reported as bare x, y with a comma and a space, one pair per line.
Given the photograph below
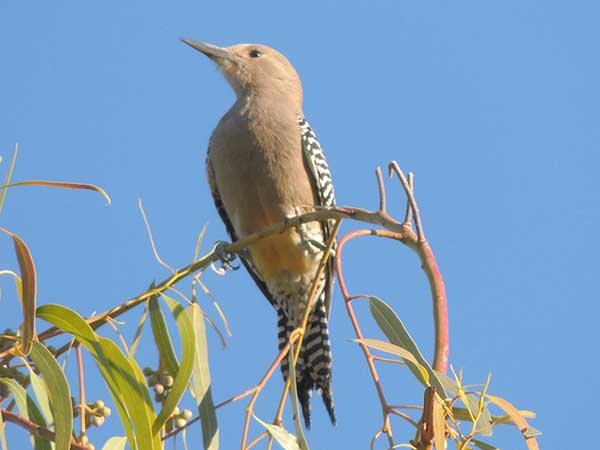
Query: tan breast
261, 179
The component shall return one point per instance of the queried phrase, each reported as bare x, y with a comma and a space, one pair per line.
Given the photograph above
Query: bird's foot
225, 258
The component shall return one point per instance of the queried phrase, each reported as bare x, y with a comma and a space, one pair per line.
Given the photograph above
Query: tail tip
305, 389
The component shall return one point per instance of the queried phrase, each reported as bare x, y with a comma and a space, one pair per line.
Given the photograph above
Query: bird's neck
258, 105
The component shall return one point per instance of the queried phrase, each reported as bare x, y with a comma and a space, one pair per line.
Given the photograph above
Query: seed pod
167, 380
98, 404
152, 379
98, 421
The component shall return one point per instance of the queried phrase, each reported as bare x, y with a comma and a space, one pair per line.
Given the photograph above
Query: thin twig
374, 438
82, 404
111, 322
388, 360
404, 416
394, 167
386, 428
215, 302
257, 439
381, 188
151, 238
261, 384
235, 398
416, 407
36, 430
408, 216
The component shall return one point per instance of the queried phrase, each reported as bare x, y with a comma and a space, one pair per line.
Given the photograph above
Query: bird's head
253, 69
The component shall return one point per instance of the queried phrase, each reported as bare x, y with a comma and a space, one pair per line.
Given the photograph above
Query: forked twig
395, 168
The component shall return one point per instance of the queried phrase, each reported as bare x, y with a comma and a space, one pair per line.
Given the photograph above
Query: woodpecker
264, 165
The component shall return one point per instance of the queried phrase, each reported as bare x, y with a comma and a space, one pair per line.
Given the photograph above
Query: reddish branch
36, 430
418, 243
82, 404
386, 428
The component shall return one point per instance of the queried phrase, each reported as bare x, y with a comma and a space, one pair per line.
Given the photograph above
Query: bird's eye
255, 53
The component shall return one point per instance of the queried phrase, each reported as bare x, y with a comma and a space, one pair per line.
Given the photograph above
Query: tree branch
321, 214
36, 430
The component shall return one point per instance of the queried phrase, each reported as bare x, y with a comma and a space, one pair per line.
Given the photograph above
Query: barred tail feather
313, 369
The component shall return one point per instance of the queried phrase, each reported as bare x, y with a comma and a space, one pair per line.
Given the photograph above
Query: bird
264, 166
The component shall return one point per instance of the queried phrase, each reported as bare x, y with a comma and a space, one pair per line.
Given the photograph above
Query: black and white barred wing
315, 161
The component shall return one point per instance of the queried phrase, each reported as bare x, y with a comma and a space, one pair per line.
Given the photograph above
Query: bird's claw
225, 258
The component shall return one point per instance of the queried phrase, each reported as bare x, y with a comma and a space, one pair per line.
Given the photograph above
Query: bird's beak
212, 51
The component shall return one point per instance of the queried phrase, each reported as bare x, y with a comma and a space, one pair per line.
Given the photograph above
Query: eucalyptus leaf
123, 377
28, 409
200, 386
115, 443
396, 332
283, 437
188, 350
58, 391
162, 337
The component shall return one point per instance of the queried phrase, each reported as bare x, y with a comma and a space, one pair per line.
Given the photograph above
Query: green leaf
28, 290
134, 394
29, 410
485, 421
531, 432
518, 419
396, 332
68, 320
200, 387
398, 351
482, 445
123, 377
115, 443
450, 385
283, 437
58, 391
303, 444
138, 332
62, 184
183, 375
8, 176
162, 338
41, 392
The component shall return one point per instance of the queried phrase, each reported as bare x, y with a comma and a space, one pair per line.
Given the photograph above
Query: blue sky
494, 106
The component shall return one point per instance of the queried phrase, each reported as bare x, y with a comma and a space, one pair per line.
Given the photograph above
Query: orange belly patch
280, 253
